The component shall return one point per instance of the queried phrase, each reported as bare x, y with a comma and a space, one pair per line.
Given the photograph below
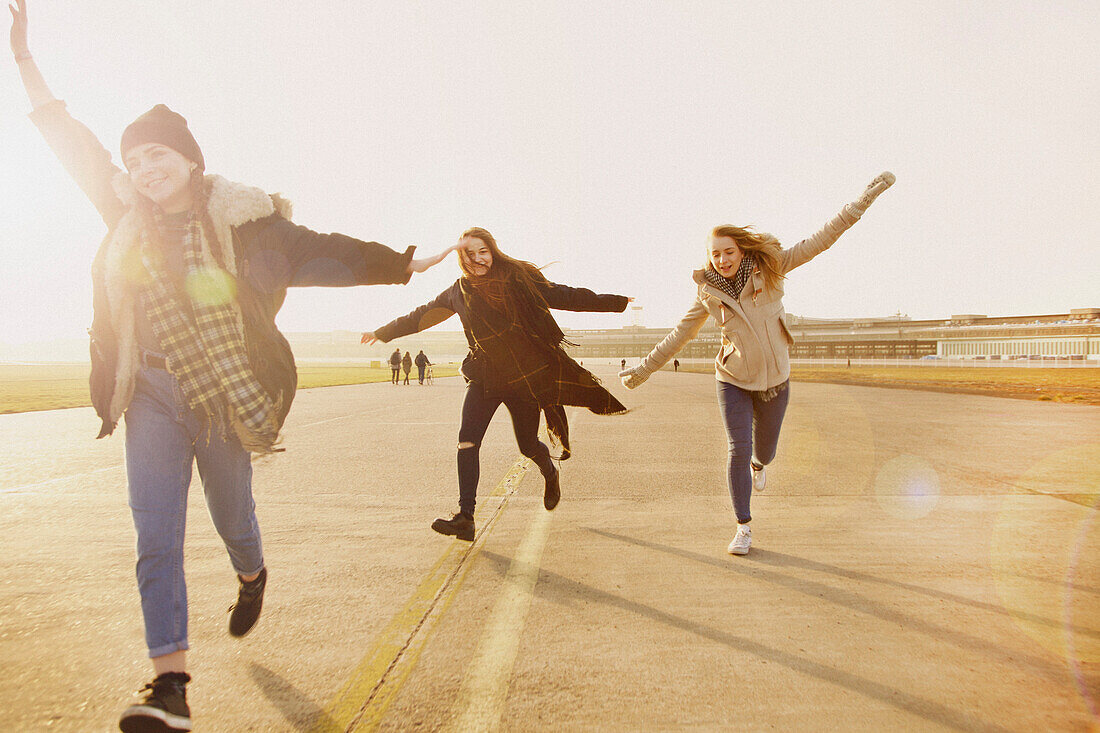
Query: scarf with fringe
202, 335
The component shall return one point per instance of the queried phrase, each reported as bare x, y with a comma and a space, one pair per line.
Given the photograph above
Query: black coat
450, 302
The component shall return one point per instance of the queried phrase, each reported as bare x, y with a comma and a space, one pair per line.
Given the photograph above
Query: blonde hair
764, 247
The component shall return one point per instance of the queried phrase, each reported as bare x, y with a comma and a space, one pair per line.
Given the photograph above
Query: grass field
1080, 386
26, 388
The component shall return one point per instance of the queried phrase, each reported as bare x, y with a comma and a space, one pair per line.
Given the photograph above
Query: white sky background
606, 137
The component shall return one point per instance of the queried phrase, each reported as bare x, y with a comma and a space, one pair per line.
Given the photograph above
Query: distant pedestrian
622, 363
422, 363
675, 365
395, 366
741, 287
407, 365
516, 359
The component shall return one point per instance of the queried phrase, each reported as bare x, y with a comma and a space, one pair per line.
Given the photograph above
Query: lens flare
833, 439
210, 286
1045, 557
133, 269
907, 487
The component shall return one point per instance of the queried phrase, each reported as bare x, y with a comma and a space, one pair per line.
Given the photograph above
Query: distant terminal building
1073, 335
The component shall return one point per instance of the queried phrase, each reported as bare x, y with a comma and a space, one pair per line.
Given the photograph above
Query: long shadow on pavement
295, 707
856, 602
551, 584
1071, 585
770, 557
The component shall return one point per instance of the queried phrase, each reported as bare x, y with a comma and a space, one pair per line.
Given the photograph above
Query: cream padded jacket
755, 340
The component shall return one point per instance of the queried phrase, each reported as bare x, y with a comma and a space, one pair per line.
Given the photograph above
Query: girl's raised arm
807, 249
78, 149
37, 90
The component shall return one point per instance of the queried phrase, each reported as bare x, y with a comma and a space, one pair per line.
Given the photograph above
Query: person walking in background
622, 363
422, 363
184, 344
741, 287
675, 365
395, 366
516, 359
407, 365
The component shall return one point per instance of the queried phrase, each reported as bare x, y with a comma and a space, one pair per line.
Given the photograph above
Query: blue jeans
164, 437
752, 427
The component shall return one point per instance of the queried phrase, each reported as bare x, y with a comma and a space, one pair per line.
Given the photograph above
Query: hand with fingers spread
369, 338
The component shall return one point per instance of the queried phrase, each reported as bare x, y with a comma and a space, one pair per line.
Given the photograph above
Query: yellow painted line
362, 702
485, 687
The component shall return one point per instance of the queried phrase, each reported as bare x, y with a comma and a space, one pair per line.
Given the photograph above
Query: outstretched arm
421, 319
807, 249
566, 298
37, 90
670, 345
423, 264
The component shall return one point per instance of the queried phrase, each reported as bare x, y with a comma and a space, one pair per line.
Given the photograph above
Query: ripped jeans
478, 409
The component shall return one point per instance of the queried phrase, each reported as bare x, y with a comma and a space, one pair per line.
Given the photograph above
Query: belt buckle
154, 361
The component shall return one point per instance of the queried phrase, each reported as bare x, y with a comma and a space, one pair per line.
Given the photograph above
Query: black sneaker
163, 709
250, 599
461, 526
552, 494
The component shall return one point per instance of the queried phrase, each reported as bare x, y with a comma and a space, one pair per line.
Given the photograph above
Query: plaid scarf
200, 331
520, 351
732, 286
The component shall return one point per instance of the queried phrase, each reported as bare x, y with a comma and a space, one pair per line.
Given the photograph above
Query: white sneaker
759, 477
741, 541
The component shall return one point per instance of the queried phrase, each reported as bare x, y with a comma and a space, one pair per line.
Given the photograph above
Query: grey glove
882, 182
634, 376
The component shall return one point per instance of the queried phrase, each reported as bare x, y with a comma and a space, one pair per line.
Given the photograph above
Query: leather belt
155, 361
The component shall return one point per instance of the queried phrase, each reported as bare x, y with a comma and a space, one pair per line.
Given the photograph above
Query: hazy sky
606, 138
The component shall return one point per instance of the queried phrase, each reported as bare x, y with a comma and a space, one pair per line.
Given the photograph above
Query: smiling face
162, 175
477, 255
725, 255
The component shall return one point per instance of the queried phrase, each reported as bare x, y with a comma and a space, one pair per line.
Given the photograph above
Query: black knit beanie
165, 127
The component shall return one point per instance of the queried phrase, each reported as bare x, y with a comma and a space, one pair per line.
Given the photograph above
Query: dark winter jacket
450, 302
262, 248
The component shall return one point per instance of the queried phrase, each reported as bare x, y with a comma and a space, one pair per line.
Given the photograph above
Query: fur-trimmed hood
230, 205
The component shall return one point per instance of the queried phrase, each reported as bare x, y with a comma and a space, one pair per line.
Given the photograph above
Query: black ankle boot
460, 526
552, 493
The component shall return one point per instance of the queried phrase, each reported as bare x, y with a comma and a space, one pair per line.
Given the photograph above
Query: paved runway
921, 561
